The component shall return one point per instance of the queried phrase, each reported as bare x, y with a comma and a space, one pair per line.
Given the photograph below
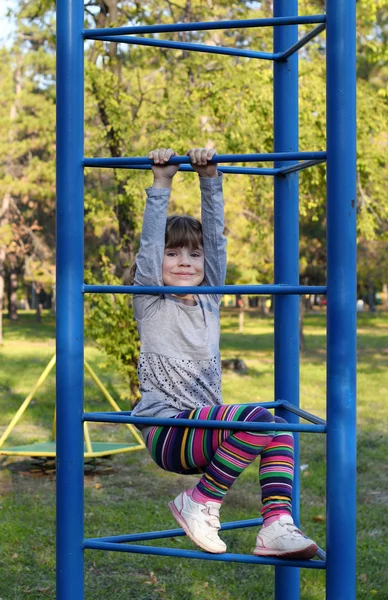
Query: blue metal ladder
340, 157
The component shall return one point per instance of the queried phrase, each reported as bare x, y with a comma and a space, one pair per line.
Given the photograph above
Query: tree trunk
3, 248
38, 314
385, 296
12, 288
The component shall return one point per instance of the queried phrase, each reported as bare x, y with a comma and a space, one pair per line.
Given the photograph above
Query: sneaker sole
179, 519
303, 554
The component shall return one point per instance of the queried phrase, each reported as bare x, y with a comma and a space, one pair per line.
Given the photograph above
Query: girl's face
183, 266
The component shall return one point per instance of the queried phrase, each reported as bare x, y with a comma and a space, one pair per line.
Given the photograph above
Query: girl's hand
200, 158
163, 173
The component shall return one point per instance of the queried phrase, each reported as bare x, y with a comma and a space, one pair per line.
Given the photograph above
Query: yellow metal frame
89, 453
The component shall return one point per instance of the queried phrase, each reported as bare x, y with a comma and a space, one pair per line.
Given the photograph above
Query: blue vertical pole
341, 295
286, 240
70, 342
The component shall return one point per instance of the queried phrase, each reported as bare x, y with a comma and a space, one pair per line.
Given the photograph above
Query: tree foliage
139, 98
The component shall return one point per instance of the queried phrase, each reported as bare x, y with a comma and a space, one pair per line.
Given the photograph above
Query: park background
137, 99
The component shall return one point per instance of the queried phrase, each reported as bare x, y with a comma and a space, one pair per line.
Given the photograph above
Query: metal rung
109, 417
206, 26
218, 158
225, 557
259, 290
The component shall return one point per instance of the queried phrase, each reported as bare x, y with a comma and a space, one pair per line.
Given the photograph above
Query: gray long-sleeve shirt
179, 366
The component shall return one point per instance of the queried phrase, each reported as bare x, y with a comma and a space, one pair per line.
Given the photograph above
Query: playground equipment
48, 449
340, 157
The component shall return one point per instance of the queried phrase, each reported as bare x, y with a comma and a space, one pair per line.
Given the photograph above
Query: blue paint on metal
219, 158
205, 26
232, 170
302, 413
300, 43
188, 47
243, 170
114, 417
341, 295
70, 335
286, 244
158, 535
195, 554
274, 290
341, 284
299, 167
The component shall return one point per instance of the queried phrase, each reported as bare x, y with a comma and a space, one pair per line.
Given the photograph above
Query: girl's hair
181, 230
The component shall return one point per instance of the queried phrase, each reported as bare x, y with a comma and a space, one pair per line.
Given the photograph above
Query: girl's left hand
200, 158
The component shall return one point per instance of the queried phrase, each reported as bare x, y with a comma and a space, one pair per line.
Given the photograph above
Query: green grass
129, 493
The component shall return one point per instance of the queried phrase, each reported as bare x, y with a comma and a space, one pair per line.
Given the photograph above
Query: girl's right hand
163, 172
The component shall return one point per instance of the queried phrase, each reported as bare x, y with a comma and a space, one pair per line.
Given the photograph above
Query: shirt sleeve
149, 260
214, 241
150, 257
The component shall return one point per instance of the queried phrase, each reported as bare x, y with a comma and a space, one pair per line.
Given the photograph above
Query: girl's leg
276, 476
222, 454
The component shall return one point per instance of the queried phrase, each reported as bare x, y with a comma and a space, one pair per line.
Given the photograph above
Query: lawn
129, 493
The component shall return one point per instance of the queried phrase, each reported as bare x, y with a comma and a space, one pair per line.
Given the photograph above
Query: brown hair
181, 230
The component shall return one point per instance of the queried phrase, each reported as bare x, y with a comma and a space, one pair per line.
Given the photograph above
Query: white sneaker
283, 539
201, 522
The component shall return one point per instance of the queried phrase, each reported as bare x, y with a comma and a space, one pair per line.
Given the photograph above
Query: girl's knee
280, 420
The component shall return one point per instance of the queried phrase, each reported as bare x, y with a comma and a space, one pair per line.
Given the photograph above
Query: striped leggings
220, 455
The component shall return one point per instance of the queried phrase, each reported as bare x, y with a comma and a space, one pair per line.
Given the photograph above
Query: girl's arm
212, 208
214, 242
150, 257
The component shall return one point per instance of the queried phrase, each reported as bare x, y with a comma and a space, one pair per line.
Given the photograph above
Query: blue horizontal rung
114, 417
125, 161
231, 170
252, 290
169, 533
302, 413
226, 557
206, 26
187, 46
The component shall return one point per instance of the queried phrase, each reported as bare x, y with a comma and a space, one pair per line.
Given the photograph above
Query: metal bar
23, 407
231, 170
226, 557
302, 413
219, 158
276, 290
321, 553
302, 42
157, 43
286, 259
341, 298
88, 442
70, 268
169, 533
108, 417
299, 166
206, 26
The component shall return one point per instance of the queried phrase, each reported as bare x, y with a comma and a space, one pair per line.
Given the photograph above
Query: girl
180, 371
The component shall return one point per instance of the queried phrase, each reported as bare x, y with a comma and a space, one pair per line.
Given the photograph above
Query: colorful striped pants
220, 455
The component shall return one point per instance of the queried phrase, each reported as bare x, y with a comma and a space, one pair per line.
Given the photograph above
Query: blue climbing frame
340, 157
